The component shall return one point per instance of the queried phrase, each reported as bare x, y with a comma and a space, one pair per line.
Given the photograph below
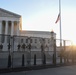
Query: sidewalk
67, 70
34, 67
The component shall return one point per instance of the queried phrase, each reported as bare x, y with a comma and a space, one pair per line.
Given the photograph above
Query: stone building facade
11, 32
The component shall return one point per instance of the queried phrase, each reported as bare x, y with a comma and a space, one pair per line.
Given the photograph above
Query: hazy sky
41, 15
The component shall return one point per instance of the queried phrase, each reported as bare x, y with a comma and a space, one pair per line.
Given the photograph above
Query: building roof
6, 13
36, 32
43, 34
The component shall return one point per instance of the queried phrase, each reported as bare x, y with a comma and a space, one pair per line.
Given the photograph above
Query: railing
23, 51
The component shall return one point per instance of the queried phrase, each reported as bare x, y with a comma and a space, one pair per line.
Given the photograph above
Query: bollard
60, 59
72, 59
64, 59
67, 59
44, 59
44, 62
9, 60
35, 59
22, 59
54, 51
53, 58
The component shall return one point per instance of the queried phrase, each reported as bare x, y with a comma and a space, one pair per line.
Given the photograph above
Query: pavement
65, 70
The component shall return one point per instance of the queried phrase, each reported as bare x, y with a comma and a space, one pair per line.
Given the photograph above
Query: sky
40, 15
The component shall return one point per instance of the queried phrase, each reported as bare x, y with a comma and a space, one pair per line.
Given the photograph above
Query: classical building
11, 31
19, 46
10, 23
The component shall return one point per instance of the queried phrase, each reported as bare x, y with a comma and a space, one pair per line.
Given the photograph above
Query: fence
18, 51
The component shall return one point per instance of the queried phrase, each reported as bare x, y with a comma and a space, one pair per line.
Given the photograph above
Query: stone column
0, 27
0, 30
6, 31
6, 28
12, 28
18, 28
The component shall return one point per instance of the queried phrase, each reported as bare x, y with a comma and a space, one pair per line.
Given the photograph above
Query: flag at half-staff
58, 18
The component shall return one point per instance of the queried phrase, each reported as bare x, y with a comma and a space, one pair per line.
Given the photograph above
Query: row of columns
12, 27
6, 30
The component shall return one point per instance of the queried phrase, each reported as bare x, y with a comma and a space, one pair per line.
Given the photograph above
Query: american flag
58, 18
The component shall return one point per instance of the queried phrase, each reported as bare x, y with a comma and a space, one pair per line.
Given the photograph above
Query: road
67, 70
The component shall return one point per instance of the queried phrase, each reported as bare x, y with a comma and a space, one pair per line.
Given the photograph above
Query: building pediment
5, 13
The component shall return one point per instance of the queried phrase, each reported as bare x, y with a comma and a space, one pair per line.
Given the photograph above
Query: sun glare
74, 42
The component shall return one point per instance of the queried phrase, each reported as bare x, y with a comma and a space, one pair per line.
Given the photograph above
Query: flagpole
60, 24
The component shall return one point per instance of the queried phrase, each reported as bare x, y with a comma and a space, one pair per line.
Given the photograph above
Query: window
21, 40
26, 40
35, 40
